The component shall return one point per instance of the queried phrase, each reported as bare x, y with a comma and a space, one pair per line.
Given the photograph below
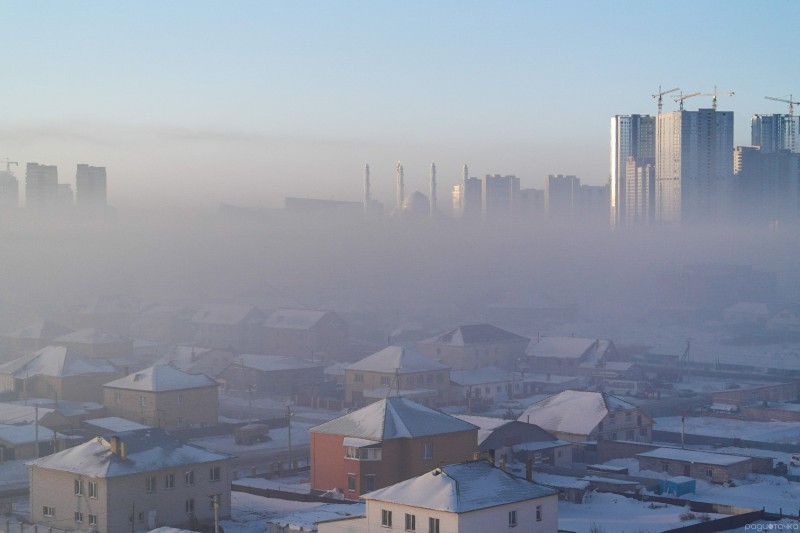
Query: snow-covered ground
279, 438
784, 432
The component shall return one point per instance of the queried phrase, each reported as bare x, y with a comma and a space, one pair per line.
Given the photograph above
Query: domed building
417, 203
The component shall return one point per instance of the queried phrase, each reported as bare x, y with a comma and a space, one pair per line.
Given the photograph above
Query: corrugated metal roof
393, 418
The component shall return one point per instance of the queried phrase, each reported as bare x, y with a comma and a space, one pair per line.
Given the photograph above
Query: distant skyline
196, 103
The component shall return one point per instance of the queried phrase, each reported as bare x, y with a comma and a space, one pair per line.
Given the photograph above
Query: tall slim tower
400, 187
631, 136
367, 197
694, 165
433, 189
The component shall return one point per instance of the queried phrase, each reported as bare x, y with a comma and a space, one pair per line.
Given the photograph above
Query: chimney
118, 447
529, 469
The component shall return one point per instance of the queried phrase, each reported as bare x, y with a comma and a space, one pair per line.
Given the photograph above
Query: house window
180, 399
188, 478
411, 522
151, 484
433, 525
189, 506
427, 450
439, 378
487, 390
538, 513
78, 517
359, 378
709, 473
512, 518
214, 474
78, 487
92, 519
642, 432
386, 518
385, 380
141, 516
92, 489
48, 511
351, 482
665, 467
629, 435
117, 398
169, 481
142, 401
370, 483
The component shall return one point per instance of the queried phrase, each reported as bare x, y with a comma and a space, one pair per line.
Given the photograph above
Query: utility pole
36, 427
289, 415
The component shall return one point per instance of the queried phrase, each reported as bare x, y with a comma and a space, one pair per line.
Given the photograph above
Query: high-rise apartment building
631, 136
640, 192
694, 165
766, 185
772, 133
90, 183
41, 186
500, 196
562, 196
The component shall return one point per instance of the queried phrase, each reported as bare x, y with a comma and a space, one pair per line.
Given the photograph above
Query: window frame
150, 484
427, 451
78, 517
410, 522
78, 487
512, 518
49, 511
214, 474
386, 518
169, 481
188, 506
188, 478
433, 524
92, 489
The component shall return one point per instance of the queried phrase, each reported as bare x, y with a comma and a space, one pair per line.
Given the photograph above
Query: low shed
713, 467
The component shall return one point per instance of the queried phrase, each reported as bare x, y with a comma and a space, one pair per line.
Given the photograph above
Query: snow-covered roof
475, 334
393, 418
482, 376
386, 392
115, 424
24, 433
12, 413
272, 363
494, 432
146, 450
561, 347
486, 425
295, 318
307, 519
694, 456
89, 336
43, 329
229, 314
575, 412
397, 359
162, 378
56, 361
461, 488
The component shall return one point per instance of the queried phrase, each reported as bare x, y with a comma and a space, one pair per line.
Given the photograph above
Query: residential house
134, 480
27, 441
787, 320
167, 324
507, 441
165, 397
306, 333
469, 496
230, 327
271, 375
581, 416
194, 360
708, 466
63, 416
34, 336
59, 373
113, 313
475, 346
569, 356
95, 343
385, 442
400, 371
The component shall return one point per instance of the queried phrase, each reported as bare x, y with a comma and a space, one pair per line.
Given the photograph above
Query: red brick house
384, 443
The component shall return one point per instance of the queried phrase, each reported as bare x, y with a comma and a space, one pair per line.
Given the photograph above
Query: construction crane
714, 97
680, 98
660, 94
789, 101
8, 163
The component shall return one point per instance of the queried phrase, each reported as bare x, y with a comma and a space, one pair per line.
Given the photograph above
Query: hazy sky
193, 102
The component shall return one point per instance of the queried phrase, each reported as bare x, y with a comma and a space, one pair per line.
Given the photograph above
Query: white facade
631, 136
694, 165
